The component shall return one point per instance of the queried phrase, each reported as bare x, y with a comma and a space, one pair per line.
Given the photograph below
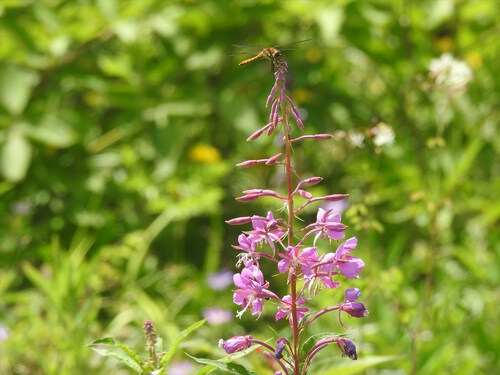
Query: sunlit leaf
16, 156
52, 132
348, 367
16, 85
107, 347
230, 368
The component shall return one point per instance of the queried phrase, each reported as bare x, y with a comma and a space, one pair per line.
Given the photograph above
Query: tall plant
299, 251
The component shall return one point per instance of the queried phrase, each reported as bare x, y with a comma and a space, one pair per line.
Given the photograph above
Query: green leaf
16, 85
121, 352
16, 156
231, 368
52, 132
355, 367
227, 359
311, 341
462, 167
167, 357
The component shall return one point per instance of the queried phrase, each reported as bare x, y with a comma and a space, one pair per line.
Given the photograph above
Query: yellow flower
204, 153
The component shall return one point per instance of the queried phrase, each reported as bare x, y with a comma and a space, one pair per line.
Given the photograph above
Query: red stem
293, 279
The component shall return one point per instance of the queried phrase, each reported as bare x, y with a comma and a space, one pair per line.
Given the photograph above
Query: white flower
450, 75
383, 135
356, 138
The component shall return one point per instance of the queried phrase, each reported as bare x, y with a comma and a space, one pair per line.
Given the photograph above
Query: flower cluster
303, 254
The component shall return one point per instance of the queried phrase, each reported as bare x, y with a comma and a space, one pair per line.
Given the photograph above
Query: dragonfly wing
290, 46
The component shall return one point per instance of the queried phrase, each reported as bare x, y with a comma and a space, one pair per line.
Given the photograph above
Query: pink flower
252, 290
285, 309
267, 229
236, 344
220, 280
248, 248
332, 264
296, 261
323, 271
348, 266
181, 368
217, 316
328, 224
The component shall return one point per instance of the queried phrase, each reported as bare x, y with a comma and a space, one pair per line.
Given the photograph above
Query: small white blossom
356, 138
383, 135
451, 75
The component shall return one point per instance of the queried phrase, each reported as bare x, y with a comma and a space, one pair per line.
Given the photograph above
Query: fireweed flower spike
303, 255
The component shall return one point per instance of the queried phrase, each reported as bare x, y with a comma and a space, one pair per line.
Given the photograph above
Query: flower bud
247, 163
355, 309
273, 159
335, 197
280, 346
352, 294
236, 344
347, 348
312, 180
305, 194
239, 220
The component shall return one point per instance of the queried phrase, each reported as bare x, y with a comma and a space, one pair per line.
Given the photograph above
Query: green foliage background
121, 122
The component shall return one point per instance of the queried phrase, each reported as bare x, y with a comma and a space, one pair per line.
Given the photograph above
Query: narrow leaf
107, 347
311, 341
231, 368
167, 357
355, 367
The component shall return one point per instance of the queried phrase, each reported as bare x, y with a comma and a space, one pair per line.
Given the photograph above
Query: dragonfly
273, 54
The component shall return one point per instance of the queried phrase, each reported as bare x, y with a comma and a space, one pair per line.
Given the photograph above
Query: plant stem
293, 280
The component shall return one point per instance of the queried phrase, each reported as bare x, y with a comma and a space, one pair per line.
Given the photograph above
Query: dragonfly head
275, 56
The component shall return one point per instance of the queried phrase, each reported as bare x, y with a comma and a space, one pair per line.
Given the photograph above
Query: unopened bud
335, 197
236, 344
239, 220
352, 294
347, 348
280, 346
354, 309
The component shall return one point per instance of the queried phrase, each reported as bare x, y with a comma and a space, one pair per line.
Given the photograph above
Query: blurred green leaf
16, 156
230, 368
16, 85
355, 367
52, 132
107, 347
168, 356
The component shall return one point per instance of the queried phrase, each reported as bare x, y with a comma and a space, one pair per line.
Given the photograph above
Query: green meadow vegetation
121, 122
